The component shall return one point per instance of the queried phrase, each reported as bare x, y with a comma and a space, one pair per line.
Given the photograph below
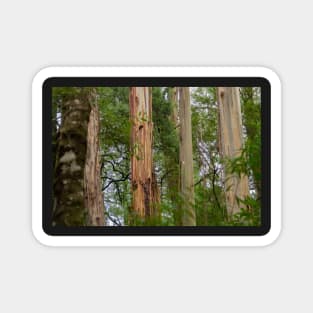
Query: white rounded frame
161, 241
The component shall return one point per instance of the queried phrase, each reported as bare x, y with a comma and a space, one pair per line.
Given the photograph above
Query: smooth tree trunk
231, 144
172, 93
94, 201
145, 195
156, 197
74, 186
186, 181
172, 161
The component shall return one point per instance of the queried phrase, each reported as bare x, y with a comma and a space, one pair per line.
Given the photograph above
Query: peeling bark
186, 183
144, 190
92, 182
231, 144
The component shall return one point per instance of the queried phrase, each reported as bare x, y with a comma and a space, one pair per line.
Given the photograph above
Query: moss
70, 159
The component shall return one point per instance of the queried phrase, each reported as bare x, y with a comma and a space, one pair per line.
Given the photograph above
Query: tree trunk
171, 161
186, 182
143, 185
172, 92
69, 202
94, 201
78, 199
156, 199
231, 144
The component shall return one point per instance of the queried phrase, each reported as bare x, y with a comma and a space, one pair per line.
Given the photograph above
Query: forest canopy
156, 156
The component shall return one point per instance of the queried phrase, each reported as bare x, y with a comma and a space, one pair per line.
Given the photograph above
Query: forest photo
156, 156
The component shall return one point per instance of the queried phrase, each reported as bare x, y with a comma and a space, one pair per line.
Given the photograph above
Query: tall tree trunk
144, 194
156, 198
172, 92
171, 161
231, 144
77, 182
94, 201
202, 212
69, 200
186, 182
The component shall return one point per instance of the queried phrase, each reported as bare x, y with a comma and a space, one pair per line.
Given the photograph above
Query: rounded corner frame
157, 241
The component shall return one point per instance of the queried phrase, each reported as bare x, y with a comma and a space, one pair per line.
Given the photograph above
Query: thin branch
116, 221
114, 180
113, 164
213, 188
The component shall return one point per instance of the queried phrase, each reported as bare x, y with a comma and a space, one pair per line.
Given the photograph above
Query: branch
113, 164
164, 175
114, 180
117, 222
118, 192
213, 188
200, 180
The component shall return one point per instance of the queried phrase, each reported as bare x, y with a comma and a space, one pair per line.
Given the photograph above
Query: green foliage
115, 122
246, 164
115, 152
251, 111
166, 152
249, 215
209, 196
204, 117
165, 135
209, 208
210, 204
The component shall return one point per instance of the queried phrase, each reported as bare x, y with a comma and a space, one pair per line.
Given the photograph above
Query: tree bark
78, 199
69, 203
156, 199
231, 144
171, 161
94, 201
144, 187
172, 92
186, 181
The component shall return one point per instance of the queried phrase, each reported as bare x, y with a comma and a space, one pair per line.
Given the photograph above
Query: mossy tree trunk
75, 183
186, 181
145, 195
231, 144
69, 200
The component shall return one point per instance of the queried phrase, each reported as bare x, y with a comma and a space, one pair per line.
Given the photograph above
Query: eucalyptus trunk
172, 93
145, 195
172, 161
231, 145
94, 201
186, 181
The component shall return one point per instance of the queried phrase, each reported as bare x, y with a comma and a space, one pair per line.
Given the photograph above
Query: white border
125, 241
